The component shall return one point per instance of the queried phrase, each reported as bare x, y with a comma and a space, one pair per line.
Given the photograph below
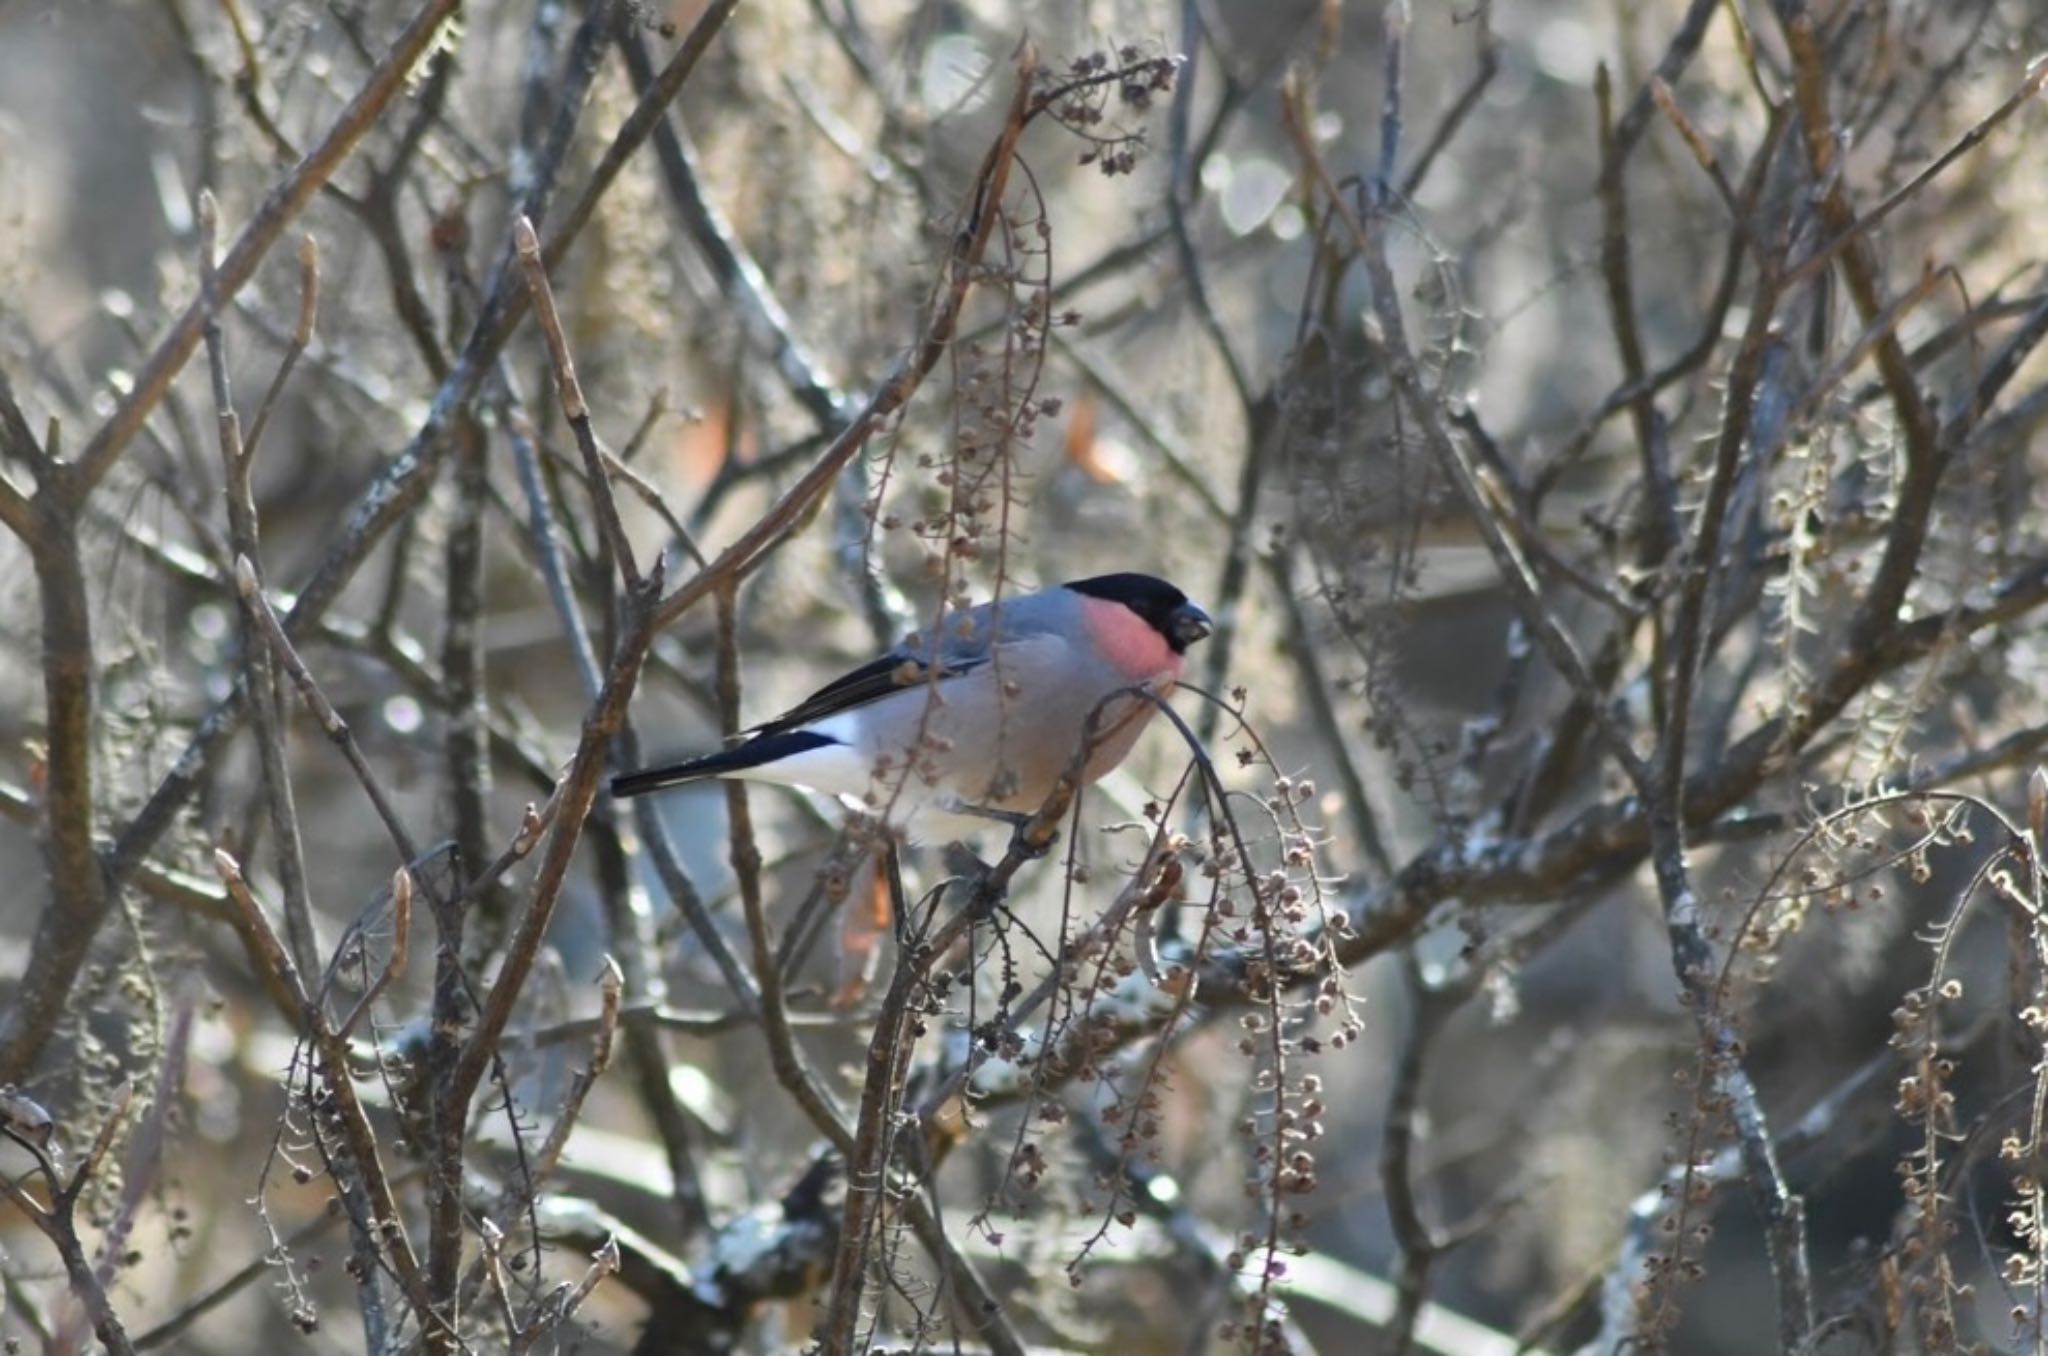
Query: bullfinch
942, 733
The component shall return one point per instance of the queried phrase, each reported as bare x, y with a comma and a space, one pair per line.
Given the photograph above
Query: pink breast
1128, 642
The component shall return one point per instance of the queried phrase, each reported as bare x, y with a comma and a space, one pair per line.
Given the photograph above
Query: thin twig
394, 961
58, 1221
394, 494
356, 1130
957, 275
279, 209
580, 785
1858, 230
527, 244
1488, 52
302, 336
331, 723
237, 463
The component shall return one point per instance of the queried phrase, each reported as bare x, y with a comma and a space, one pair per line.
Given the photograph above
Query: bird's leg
1016, 819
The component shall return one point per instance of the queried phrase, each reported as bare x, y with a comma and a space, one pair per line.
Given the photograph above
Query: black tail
764, 748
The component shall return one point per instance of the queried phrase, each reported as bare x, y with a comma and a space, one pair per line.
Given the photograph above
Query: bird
944, 733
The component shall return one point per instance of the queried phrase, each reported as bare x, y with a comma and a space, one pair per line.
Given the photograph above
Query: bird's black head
1165, 608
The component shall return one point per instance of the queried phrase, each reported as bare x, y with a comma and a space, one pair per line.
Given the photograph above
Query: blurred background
1180, 367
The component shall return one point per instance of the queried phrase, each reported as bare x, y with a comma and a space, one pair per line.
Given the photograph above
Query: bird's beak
1188, 625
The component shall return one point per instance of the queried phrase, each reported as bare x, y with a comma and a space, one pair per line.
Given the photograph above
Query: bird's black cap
1165, 608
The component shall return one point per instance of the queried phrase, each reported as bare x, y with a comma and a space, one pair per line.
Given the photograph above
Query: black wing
870, 682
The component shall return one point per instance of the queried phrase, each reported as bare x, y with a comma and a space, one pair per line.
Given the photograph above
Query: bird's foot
1029, 845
